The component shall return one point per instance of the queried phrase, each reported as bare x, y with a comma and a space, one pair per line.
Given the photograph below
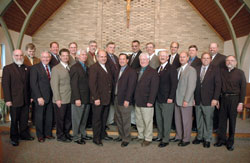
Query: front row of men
173, 91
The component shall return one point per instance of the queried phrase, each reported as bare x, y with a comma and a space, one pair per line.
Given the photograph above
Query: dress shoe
50, 137
68, 136
206, 144
30, 138
230, 147
108, 138
87, 138
117, 139
124, 144
197, 141
14, 142
137, 139
64, 140
79, 142
41, 140
194, 129
183, 144
162, 144
145, 143
174, 140
219, 144
157, 139
98, 143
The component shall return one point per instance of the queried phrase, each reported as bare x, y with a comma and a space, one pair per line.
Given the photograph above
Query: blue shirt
83, 66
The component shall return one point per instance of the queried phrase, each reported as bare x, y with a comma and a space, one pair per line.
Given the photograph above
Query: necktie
202, 75
67, 67
47, 70
132, 59
57, 58
140, 74
113, 58
181, 70
171, 59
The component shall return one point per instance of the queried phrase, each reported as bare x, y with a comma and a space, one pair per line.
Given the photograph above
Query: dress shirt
162, 66
103, 66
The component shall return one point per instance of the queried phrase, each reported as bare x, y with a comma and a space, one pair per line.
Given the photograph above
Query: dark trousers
228, 110
99, 120
44, 117
33, 112
63, 120
19, 122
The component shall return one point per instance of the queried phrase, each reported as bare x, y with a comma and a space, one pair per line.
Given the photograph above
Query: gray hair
45, 51
144, 54
81, 51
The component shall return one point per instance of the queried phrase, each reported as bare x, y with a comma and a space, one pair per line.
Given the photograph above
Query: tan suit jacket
154, 62
90, 60
28, 63
60, 84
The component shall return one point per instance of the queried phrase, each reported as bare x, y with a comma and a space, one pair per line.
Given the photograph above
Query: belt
229, 94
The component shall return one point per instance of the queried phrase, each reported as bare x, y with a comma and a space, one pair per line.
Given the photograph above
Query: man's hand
149, 105
240, 107
218, 105
59, 103
97, 102
126, 104
9, 103
185, 104
169, 101
214, 103
40, 101
78, 103
31, 100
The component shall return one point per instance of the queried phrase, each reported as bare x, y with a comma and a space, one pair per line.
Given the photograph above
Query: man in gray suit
153, 59
60, 85
184, 101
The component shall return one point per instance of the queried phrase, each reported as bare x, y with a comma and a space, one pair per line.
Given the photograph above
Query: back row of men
74, 81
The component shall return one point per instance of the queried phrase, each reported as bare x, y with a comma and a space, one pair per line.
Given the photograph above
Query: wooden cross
128, 11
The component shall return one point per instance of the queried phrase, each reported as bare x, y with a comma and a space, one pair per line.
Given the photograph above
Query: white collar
152, 55
184, 66
164, 64
64, 64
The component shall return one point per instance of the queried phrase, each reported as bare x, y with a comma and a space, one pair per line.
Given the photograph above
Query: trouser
164, 113
99, 120
44, 116
19, 122
133, 118
123, 119
183, 122
204, 119
111, 115
144, 122
63, 120
228, 110
79, 120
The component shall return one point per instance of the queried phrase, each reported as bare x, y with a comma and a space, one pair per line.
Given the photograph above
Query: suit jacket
113, 67
168, 84
147, 87
186, 86
53, 61
196, 62
79, 81
219, 60
126, 85
28, 63
40, 83
210, 87
154, 62
100, 84
90, 60
136, 63
60, 84
15, 83
176, 61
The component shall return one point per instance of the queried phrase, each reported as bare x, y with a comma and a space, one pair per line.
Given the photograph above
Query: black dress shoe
68, 136
174, 140
98, 143
108, 138
50, 137
230, 147
197, 141
183, 144
157, 139
87, 138
41, 140
117, 139
79, 142
124, 144
219, 144
206, 144
14, 142
64, 140
29, 138
162, 144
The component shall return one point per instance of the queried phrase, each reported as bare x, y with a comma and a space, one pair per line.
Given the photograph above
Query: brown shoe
146, 143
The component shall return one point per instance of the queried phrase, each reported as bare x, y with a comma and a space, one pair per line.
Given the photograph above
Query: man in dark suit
124, 91
217, 60
15, 83
193, 61
80, 97
164, 107
134, 58
40, 75
54, 49
174, 57
145, 94
100, 84
207, 92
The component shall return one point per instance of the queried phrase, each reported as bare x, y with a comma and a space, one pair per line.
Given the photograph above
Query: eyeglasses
173, 47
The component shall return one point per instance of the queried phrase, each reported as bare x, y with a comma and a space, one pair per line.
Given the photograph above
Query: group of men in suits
68, 84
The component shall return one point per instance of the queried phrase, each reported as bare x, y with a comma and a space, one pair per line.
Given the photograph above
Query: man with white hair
145, 94
80, 106
15, 83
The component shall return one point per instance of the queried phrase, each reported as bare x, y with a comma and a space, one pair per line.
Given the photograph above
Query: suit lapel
209, 69
43, 71
184, 72
144, 74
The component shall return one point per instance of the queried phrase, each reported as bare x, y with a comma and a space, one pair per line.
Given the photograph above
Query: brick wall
159, 21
